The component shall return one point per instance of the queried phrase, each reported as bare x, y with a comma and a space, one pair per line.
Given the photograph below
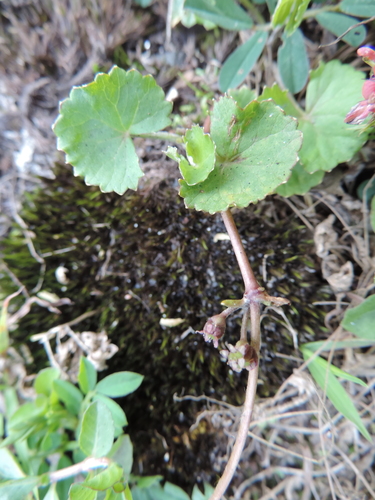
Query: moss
136, 255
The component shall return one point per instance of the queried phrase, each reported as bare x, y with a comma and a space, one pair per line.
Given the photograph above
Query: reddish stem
248, 276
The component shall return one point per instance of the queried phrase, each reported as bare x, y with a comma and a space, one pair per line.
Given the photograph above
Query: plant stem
249, 279
251, 284
247, 410
85, 466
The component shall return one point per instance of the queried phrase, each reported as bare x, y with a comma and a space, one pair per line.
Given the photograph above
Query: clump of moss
142, 256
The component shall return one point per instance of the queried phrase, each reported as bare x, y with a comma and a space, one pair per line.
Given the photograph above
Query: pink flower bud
367, 52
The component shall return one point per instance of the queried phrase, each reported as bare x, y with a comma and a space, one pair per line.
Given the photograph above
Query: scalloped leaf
300, 182
97, 120
200, 151
333, 89
256, 147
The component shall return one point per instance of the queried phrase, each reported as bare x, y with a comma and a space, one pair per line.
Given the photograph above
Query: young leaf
300, 182
241, 61
97, 430
200, 151
361, 319
69, 394
338, 23
290, 13
119, 384
340, 399
256, 148
360, 8
96, 123
43, 384
18, 489
293, 62
87, 375
225, 13
105, 478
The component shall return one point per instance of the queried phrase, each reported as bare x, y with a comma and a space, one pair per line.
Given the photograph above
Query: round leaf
241, 61
97, 430
96, 123
119, 384
300, 182
293, 62
43, 384
256, 148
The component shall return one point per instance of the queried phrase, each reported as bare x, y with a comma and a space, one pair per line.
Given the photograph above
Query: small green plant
247, 151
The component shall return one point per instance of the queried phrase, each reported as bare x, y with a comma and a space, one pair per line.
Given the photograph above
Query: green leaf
372, 214
200, 151
225, 13
293, 62
96, 123
87, 375
63, 486
256, 148
360, 8
122, 453
175, 492
143, 3
97, 430
80, 492
239, 64
338, 23
9, 466
327, 141
105, 478
17, 489
43, 384
198, 495
119, 384
242, 96
69, 394
281, 98
361, 319
325, 345
340, 399
118, 414
290, 13
300, 182
145, 482
28, 413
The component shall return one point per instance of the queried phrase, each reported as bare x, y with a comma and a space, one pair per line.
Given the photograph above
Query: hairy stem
251, 284
249, 279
